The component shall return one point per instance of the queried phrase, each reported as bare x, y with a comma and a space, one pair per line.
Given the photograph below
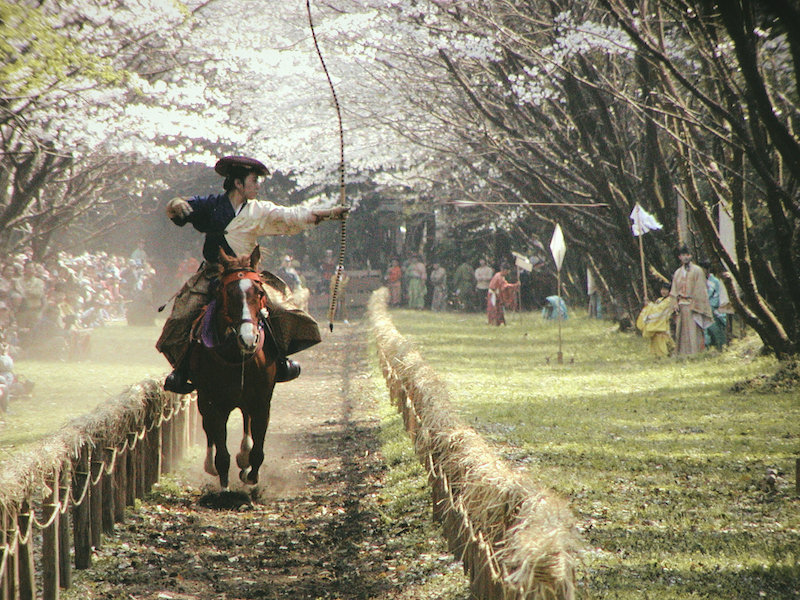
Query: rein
225, 281
235, 276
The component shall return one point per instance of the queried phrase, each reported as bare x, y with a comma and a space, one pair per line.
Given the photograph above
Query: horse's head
242, 300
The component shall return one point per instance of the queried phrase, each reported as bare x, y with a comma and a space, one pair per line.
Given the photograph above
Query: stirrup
287, 369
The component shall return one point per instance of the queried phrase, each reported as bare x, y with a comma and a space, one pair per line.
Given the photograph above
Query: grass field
664, 466
120, 356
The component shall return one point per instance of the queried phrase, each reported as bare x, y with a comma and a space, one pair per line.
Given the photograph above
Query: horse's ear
255, 257
223, 256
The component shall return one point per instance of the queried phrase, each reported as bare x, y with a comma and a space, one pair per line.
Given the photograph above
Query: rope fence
516, 541
91, 470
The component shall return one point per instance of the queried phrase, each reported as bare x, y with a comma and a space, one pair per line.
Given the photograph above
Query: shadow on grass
698, 578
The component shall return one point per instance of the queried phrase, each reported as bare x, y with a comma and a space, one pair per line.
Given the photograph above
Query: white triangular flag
522, 261
557, 246
643, 221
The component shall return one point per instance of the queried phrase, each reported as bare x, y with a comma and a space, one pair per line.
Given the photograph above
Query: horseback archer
233, 221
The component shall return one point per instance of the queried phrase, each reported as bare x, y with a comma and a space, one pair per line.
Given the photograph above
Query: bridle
232, 325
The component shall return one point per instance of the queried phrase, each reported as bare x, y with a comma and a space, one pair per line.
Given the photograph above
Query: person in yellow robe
654, 323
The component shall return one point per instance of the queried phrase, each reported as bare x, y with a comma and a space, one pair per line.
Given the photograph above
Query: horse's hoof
248, 476
244, 475
209, 468
243, 461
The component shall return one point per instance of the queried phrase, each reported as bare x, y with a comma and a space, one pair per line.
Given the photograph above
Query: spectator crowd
52, 306
471, 288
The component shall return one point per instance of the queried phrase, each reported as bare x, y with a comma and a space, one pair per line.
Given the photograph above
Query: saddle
202, 332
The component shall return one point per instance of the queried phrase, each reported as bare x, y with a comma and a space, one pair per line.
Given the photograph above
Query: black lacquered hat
225, 164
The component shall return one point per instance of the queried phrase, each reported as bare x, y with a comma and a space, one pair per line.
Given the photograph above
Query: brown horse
233, 366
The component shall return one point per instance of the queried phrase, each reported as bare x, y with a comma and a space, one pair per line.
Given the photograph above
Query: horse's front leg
243, 457
259, 421
215, 424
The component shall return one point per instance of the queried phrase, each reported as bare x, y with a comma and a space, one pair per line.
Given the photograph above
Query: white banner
643, 221
522, 261
726, 232
558, 247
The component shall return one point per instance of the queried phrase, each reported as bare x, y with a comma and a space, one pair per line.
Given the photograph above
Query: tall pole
558, 312
641, 259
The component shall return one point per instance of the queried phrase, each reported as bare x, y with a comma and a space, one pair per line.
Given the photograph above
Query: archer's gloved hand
178, 208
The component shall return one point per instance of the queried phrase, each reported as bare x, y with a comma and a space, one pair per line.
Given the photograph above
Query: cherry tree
138, 82
77, 99
679, 106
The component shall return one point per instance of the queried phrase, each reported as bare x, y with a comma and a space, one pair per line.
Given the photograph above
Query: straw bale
141, 405
489, 513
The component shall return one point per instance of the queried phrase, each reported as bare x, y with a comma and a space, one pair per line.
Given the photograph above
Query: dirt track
311, 530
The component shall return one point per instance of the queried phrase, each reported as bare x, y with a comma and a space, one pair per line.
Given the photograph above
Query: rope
51, 518
25, 539
64, 493
79, 500
453, 502
100, 471
19, 538
7, 551
109, 469
11, 546
342, 189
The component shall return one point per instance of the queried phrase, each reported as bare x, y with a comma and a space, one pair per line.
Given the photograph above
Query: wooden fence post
12, 527
176, 439
50, 562
152, 458
27, 572
96, 498
120, 486
109, 492
4, 591
166, 446
64, 539
141, 466
180, 434
130, 472
7, 536
81, 526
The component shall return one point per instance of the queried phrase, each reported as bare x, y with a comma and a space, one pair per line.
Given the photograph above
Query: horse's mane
239, 262
236, 263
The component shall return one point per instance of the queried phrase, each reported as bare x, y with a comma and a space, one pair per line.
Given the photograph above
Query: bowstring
342, 191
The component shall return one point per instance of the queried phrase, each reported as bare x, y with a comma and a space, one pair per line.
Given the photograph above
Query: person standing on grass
714, 334
498, 288
417, 289
394, 278
483, 276
439, 282
464, 286
690, 299
326, 268
654, 323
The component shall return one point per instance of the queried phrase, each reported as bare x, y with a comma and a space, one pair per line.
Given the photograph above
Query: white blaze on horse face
248, 330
